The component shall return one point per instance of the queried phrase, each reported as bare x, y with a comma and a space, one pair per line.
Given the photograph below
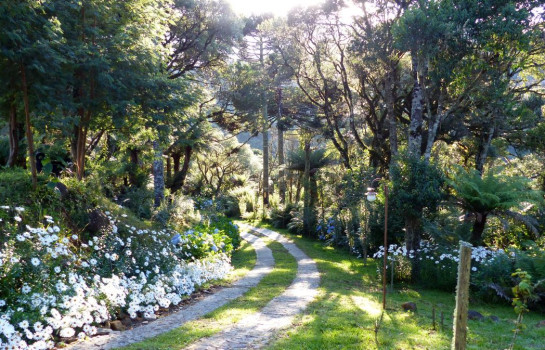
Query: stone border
264, 265
254, 331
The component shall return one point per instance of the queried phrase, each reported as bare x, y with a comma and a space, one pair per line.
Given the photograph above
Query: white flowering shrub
56, 284
491, 269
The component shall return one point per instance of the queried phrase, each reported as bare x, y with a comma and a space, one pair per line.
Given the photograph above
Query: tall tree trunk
434, 124
415, 126
176, 159
299, 185
179, 177
133, 155
13, 135
158, 175
313, 191
484, 146
478, 228
28, 129
307, 208
265, 131
281, 161
392, 121
290, 186
169, 169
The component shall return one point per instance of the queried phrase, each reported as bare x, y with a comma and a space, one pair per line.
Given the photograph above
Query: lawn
349, 304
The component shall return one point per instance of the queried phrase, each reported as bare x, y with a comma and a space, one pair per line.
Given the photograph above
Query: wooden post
462, 298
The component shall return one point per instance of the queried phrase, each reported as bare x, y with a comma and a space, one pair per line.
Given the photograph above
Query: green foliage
16, 189
416, 186
139, 201
491, 191
281, 216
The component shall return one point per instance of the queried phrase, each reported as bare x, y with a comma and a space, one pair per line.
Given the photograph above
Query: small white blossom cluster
441, 256
59, 284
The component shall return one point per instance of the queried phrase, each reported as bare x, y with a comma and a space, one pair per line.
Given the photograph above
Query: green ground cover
344, 314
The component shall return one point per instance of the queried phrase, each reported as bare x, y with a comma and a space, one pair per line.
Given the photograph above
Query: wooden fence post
462, 298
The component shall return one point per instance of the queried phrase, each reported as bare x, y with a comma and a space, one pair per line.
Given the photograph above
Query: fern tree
493, 194
309, 162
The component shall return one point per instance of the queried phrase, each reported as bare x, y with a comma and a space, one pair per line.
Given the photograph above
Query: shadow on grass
350, 302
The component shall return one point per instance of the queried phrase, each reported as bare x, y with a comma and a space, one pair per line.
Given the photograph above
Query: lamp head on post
371, 194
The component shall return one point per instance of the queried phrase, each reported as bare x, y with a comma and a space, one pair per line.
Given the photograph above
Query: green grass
255, 299
349, 303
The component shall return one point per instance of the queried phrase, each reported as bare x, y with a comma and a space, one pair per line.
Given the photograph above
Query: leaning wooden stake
462, 298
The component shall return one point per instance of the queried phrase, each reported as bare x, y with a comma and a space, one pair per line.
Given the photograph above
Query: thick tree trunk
13, 136
158, 175
28, 129
415, 126
179, 176
478, 228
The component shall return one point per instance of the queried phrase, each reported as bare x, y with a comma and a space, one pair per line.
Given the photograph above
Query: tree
309, 162
492, 194
28, 52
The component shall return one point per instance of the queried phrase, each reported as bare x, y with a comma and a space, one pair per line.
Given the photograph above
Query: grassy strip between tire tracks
344, 314
255, 299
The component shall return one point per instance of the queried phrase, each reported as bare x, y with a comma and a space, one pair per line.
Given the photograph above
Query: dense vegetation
177, 113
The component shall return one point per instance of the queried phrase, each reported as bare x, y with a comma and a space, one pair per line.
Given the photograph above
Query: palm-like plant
304, 160
493, 194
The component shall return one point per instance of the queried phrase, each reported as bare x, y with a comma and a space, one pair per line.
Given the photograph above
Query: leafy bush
16, 189
491, 270
282, 215
57, 284
139, 201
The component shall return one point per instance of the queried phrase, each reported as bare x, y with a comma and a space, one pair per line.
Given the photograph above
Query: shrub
57, 284
282, 215
491, 270
139, 201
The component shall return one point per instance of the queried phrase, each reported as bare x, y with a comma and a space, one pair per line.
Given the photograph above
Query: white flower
473, 269
74, 237
25, 289
20, 238
24, 324
2, 302
67, 332
19, 209
35, 261
17, 218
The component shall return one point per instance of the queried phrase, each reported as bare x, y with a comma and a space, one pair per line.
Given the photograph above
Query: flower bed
56, 284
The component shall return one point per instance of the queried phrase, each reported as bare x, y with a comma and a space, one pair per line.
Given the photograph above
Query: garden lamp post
371, 196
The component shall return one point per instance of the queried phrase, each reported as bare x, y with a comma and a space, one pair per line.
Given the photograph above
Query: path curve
264, 265
254, 331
